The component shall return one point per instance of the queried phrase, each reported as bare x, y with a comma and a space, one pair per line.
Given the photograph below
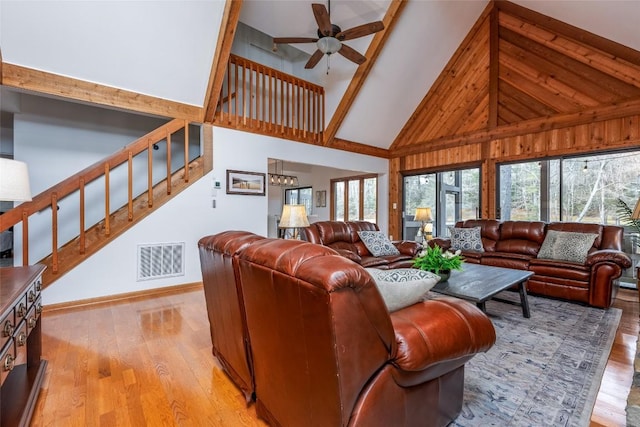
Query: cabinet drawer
7, 359
20, 343
33, 315
7, 327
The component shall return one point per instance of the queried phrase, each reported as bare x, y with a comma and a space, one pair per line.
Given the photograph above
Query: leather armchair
326, 352
225, 306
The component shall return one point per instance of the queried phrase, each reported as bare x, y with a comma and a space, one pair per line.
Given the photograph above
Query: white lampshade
293, 216
423, 214
14, 181
329, 45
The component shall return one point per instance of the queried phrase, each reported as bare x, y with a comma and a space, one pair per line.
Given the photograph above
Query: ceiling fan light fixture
329, 45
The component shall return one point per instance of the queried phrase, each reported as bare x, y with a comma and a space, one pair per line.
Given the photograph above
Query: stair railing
263, 100
76, 184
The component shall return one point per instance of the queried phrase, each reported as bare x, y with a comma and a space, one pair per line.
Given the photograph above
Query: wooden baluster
150, 174
281, 106
236, 92
25, 237
168, 163
54, 232
186, 151
130, 186
107, 208
250, 97
83, 236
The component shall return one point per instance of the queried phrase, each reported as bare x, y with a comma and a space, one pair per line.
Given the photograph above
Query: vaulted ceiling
445, 69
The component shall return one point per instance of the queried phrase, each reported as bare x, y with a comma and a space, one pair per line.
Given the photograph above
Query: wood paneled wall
613, 134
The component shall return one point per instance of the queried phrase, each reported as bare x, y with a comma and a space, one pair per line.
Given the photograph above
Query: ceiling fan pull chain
328, 63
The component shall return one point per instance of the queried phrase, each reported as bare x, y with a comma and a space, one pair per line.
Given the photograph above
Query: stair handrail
48, 198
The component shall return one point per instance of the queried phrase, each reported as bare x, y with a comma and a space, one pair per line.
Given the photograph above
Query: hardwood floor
147, 361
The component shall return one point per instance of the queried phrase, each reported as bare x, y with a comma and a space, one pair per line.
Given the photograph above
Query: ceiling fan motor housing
334, 30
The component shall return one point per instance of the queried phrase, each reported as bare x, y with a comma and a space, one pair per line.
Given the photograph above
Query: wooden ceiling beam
66, 87
590, 115
356, 147
567, 30
228, 27
360, 76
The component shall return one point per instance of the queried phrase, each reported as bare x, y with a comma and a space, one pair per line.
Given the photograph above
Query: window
355, 198
300, 196
452, 196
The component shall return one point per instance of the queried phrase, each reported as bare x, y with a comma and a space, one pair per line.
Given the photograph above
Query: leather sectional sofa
516, 244
319, 345
343, 237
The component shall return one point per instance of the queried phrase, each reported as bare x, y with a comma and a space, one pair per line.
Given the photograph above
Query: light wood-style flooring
147, 362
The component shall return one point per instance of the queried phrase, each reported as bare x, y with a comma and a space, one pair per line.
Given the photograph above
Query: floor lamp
425, 232
294, 216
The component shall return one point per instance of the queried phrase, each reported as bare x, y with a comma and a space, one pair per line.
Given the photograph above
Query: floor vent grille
160, 260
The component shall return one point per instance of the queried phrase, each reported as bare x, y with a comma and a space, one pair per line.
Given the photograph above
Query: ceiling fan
330, 37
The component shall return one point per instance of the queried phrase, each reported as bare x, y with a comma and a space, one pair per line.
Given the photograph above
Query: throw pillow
377, 243
466, 239
402, 287
566, 246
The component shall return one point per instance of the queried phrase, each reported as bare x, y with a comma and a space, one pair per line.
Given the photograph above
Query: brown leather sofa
225, 306
515, 244
327, 352
305, 332
343, 237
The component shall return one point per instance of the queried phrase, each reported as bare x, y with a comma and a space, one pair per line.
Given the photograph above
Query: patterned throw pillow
566, 246
402, 287
466, 239
377, 243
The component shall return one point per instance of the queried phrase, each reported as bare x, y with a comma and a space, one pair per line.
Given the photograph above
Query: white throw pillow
566, 246
466, 239
402, 287
377, 243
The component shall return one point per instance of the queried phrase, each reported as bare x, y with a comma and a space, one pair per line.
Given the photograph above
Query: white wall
190, 215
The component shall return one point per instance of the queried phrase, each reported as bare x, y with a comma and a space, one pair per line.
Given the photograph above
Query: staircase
63, 258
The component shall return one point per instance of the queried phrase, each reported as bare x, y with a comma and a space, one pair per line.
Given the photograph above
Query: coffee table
479, 283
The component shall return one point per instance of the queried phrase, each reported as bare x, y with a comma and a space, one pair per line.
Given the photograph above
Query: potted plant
626, 215
440, 262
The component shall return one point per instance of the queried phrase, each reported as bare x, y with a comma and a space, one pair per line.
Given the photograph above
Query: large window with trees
576, 189
355, 198
452, 196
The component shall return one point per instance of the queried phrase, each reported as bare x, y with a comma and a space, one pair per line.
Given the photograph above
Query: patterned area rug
543, 371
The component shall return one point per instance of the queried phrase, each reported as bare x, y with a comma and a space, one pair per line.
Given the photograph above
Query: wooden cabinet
21, 367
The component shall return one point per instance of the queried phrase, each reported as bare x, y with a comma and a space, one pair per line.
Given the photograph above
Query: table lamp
14, 181
426, 226
294, 216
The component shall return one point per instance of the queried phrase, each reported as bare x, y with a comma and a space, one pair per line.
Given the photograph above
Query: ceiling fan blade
351, 54
360, 31
315, 58
279, 40
322, 18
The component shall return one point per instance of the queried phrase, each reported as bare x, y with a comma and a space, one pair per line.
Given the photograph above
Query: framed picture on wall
321, 198
247, 183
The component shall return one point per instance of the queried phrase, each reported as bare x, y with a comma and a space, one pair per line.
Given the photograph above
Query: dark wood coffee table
479, 283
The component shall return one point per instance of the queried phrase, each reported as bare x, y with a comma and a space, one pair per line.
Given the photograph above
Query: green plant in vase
440, 262
626, 215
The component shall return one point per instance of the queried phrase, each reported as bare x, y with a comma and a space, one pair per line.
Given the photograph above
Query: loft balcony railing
133, 179
259, 99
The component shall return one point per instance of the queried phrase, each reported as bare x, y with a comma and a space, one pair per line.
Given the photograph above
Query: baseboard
110, 299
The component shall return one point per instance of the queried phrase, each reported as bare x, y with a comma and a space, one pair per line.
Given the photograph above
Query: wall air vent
160, 260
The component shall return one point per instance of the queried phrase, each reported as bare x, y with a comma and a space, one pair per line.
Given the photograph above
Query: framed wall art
247, 183
321, 199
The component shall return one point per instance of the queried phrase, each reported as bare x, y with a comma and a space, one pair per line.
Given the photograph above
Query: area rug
542, 371
633, 401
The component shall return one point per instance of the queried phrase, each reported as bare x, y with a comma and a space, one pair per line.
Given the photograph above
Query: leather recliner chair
225, 306
327, 352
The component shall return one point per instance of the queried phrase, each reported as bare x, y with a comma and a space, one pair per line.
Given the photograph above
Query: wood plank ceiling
517, 65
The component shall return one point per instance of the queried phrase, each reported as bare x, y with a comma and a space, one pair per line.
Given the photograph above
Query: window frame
346, 180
